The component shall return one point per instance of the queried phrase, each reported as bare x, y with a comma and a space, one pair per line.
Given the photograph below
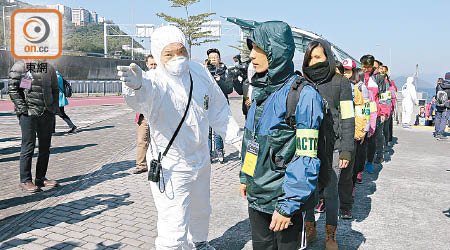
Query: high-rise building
93, 17
65, 11
81, 16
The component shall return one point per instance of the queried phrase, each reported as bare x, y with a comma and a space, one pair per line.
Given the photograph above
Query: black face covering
318, 72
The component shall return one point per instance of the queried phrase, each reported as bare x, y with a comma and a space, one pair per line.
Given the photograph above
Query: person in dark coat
36, 101
336, 136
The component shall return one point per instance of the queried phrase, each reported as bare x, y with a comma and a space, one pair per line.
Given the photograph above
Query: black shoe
346, 214
441, 137
379, 160
72, 130
44, 182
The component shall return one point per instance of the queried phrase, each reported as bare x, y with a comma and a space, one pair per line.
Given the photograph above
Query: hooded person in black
336, 136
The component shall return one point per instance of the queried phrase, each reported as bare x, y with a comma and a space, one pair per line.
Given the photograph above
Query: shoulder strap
180, 124
292, 100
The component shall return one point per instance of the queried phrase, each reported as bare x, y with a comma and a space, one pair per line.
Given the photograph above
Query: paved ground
101, 205
8, 105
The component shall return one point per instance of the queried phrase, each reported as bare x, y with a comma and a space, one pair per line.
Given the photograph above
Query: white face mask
177, 65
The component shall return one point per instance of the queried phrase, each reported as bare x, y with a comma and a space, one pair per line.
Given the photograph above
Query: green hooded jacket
285, 174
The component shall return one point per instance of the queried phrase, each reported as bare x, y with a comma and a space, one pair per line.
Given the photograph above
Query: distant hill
400, 80
88, 39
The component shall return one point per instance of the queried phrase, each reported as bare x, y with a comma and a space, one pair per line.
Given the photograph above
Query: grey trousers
330, 193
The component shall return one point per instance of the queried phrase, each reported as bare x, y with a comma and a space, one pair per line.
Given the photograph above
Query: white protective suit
409, 99
184, 208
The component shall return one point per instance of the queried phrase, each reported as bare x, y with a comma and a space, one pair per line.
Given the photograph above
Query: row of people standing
357, 115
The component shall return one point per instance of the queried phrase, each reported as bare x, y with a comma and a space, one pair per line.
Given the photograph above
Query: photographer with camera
221, 74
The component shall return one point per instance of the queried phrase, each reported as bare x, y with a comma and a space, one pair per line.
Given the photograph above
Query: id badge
25, 82
251, 158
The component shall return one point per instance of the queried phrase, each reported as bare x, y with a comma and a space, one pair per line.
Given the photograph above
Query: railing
82, 87
96, 87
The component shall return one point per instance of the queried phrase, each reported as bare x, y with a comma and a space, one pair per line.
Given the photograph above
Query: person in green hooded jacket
280, 167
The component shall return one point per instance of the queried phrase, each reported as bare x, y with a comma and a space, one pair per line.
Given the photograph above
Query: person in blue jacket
280, 167
63, 102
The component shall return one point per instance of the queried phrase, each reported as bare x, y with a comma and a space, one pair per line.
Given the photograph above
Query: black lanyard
180, 124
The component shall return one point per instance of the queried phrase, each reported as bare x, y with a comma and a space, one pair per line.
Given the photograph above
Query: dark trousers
375, 143
441, 121
330, 192
387, 130
348, 175
391, 128
345, 187
32, 126
291, 238
360, 158
65, 117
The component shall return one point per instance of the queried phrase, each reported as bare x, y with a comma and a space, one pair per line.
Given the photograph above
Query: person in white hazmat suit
162, 95
409, 99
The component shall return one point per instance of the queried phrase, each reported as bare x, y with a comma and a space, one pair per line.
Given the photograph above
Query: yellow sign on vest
306, 142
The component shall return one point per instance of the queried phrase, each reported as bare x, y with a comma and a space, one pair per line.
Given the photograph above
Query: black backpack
67, 88
291, 105
441, 97
292, 99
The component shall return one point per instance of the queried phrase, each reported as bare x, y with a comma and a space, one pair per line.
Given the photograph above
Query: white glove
130, 75
240, 78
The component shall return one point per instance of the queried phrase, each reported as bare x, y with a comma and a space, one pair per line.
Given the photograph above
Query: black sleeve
348, 120
381, 84
417, 120
15, 92
226, 83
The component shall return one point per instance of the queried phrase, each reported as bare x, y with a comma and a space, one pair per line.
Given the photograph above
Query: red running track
7, 105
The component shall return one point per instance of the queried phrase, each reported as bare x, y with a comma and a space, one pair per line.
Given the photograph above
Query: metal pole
417, 75
105, 45
134, 29
4, 23
390, 59
4, 27
210, 6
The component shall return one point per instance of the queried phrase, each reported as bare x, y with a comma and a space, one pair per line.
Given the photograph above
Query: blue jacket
284, 175
62, 98
285, 178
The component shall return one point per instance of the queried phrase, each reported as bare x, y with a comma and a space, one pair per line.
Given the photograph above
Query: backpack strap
292, 100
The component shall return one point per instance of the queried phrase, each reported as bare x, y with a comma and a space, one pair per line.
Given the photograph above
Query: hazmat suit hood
410, 80
276, 40
409, 90
321, 72
164, 36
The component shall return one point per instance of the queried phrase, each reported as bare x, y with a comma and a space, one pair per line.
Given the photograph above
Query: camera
154, 171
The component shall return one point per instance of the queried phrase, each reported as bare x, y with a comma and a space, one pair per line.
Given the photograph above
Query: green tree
191, 25
243, 50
